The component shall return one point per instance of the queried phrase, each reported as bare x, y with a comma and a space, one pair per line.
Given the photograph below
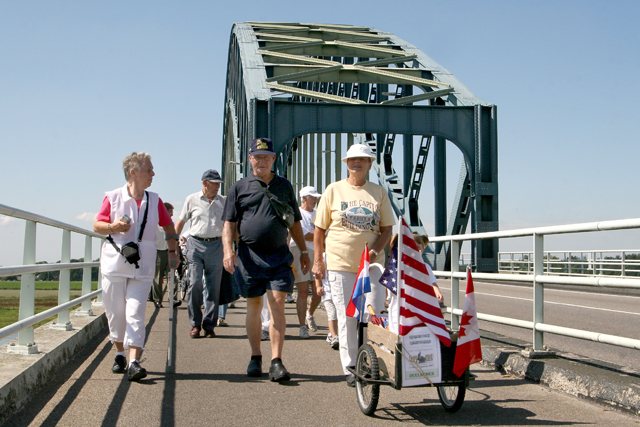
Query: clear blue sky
82, 84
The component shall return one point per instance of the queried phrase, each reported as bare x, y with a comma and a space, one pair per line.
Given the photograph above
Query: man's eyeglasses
261, 158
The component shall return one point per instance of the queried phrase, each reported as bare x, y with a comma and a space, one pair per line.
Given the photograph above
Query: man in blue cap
263, 261
204, 252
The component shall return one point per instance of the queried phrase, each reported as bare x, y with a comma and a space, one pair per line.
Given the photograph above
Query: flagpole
399, 269
362, 297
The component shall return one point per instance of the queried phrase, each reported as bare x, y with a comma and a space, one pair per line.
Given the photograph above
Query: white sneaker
335, 343
329, 338
311, 323
304, 332
264, 336
289, 299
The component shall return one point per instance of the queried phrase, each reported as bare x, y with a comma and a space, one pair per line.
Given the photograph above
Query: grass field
51, 285
46, 297
10, 315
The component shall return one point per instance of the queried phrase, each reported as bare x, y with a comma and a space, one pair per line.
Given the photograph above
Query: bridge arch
308, 85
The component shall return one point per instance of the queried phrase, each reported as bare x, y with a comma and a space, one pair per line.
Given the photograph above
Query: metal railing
27, 271
623, 263
538, 277
465, 260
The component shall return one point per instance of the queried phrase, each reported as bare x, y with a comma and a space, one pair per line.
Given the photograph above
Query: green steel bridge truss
316, 89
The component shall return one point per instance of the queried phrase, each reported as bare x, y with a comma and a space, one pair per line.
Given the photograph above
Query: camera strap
278, 205
144, 222
144, 219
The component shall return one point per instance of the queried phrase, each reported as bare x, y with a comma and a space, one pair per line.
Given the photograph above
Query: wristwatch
304, 252
175, 236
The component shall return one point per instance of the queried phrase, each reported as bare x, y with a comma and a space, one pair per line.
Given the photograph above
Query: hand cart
379, 362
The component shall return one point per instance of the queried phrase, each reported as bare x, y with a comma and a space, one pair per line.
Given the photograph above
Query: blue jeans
205, 258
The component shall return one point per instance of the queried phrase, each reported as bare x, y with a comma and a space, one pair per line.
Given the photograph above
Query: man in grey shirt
204, 252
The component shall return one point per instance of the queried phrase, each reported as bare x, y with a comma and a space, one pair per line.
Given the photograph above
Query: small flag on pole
355, 308
390, 274
468, 349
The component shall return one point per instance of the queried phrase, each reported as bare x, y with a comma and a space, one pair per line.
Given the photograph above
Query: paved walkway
210, 387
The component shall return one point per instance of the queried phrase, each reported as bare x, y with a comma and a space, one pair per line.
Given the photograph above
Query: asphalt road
209, 387
596, 310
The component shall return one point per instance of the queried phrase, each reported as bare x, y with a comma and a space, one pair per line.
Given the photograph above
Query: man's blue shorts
256, 272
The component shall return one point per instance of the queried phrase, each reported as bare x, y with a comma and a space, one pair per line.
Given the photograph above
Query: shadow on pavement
472, 413
45, 394
115, 407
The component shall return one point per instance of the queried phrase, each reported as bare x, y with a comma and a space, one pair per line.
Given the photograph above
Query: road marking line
550, 290
558, 303
593, 308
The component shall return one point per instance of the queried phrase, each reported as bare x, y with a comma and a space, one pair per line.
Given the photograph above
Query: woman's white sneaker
311, 323
304, 332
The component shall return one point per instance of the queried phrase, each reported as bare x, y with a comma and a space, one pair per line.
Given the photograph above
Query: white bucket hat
309, 191
358, 150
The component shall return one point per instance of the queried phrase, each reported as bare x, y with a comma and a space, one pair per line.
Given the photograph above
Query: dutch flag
361, 287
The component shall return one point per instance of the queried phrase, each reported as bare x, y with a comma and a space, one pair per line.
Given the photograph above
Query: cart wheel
451, 396
367, 367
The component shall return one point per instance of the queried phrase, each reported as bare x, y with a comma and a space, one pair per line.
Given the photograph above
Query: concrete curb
597, 381
22, 375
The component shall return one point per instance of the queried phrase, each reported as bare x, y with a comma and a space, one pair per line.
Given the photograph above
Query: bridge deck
209, 387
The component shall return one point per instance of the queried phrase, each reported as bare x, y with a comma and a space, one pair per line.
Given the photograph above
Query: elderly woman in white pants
125, 285
355, 212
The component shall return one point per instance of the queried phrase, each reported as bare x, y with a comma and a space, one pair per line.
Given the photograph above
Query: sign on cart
421, 357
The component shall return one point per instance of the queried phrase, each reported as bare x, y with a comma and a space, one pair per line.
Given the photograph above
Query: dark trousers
205, 259
162, 268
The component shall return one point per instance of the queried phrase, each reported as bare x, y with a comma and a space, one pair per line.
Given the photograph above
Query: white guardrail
623, 263
24, 327
27, 271
539, 276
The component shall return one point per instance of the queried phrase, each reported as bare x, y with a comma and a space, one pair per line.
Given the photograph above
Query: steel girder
307, 85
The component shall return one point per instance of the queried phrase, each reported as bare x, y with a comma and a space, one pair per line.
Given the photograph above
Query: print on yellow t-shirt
360, 215
353, 216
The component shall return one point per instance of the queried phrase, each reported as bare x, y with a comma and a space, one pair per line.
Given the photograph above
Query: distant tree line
76, 273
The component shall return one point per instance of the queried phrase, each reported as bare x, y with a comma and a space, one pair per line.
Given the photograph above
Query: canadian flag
468, 350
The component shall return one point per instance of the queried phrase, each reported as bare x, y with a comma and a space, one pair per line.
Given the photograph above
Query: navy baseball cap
211, 175
261, 146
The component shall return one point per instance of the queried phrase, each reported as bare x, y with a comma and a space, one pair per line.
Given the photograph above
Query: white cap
358, 150
309, 191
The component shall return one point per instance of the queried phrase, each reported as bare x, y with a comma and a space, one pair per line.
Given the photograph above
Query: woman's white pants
125, 303
342, 283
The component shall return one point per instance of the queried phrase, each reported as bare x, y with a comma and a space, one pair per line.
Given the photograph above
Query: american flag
418, 303
389, 278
